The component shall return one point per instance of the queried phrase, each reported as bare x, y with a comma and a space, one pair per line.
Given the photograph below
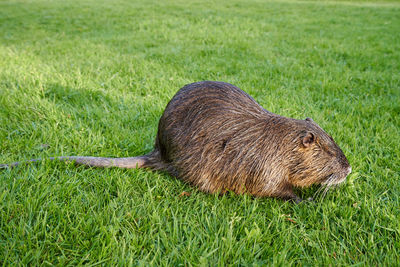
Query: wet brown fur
217, 138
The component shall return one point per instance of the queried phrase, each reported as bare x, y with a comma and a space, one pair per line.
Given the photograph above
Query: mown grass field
93, 77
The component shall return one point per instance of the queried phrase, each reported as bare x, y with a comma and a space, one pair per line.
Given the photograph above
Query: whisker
318, 192
325, 187
325, 191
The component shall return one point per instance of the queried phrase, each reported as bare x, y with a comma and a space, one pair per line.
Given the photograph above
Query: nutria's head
317, 159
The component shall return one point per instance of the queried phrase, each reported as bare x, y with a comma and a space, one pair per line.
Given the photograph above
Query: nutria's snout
337, 178
348, 170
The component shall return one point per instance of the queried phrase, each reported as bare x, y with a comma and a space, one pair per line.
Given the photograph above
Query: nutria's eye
309, 119
308, 139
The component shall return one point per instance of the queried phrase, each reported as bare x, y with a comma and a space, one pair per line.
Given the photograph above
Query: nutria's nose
348, 170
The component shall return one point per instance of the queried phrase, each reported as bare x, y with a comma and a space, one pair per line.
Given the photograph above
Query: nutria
216, 137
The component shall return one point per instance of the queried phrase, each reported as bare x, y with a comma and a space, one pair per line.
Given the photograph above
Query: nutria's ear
308, 139
309, 119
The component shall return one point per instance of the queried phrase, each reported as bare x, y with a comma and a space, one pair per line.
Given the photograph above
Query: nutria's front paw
299, 200
293, 198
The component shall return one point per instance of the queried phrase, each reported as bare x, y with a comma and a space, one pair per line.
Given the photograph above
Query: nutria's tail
152, 160
133, 162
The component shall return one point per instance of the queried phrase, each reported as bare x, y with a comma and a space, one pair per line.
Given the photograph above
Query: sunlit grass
93, 77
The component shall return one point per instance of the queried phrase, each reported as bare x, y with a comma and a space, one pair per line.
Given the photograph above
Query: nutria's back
216, 137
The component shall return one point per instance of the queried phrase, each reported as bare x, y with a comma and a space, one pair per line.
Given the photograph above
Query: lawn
92, 78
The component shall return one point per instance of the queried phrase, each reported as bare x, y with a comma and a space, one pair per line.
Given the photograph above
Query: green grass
93, 77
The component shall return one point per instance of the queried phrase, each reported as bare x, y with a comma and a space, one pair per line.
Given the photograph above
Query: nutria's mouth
336, 178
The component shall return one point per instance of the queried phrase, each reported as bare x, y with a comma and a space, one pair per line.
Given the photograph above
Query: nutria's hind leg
155, 162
